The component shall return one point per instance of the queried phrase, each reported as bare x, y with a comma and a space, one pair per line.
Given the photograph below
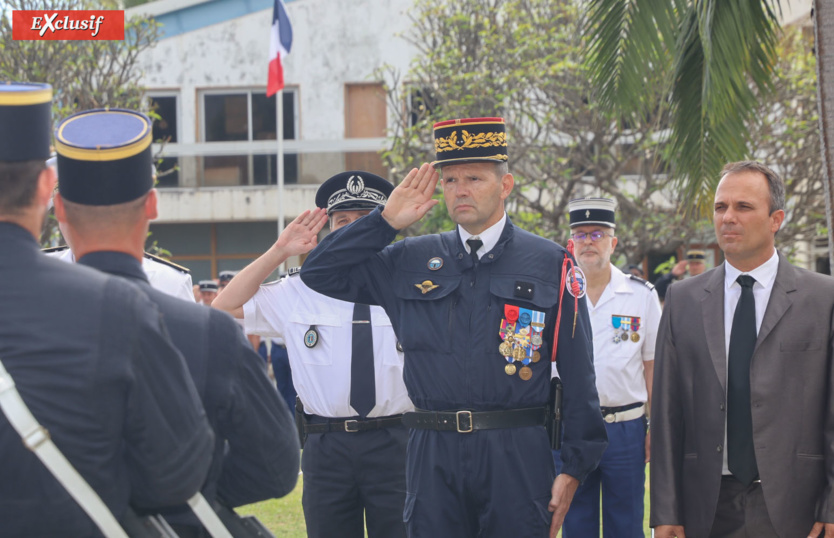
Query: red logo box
68, 25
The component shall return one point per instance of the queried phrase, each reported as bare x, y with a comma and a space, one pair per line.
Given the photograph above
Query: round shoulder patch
435, 263
576, 283
311, 337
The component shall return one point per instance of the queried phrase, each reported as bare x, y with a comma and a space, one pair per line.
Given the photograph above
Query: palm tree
717, 57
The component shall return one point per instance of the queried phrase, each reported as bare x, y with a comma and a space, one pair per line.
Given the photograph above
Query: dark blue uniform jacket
451, 334
93, 362
256, 452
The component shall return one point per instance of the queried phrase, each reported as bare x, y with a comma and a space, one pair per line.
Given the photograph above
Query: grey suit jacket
792, 399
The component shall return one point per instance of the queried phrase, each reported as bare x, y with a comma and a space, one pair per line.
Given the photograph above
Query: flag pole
279, 112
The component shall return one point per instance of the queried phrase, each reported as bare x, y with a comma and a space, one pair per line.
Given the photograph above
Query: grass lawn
285, 518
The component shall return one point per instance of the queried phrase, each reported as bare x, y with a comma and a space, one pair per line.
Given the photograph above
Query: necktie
741, 457
474, 244
362, 390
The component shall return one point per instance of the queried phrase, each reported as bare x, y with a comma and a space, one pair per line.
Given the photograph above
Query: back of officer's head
25, 135
106, 172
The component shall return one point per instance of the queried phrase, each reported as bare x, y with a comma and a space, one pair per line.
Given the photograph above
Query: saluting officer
694, 263
346, 368
625, 314
475, 310
105, 204
127, 417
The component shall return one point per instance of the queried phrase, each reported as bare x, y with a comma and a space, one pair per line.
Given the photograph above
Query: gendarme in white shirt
287, 308
619, 365
765, 276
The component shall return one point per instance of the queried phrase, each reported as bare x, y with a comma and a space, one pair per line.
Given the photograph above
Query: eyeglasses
595, 236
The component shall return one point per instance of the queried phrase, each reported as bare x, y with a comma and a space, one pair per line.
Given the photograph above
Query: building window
247, 116
164, 108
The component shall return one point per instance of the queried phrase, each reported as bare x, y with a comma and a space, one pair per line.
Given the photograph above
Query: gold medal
519, 353
524, 331
509, 369
635, 337
536, 356
505, 349
526, 373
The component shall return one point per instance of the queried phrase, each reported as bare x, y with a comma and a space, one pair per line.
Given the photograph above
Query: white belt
622, 416
36, 438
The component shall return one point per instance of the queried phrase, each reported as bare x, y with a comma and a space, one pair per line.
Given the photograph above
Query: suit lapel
712, 310
779, 301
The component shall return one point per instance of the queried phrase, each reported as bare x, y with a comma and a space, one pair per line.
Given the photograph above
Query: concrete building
207, 77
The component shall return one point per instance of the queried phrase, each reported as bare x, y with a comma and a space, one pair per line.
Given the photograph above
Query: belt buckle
610, 418
467, 414
351, 423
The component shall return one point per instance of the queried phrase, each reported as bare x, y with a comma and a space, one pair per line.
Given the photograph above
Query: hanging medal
537, 326
635, 326
616, 321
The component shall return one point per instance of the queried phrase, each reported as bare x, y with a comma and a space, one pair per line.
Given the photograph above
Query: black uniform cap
470, 140
592, 211
25, 121
104, 156
697, 255
354, 190
226, 276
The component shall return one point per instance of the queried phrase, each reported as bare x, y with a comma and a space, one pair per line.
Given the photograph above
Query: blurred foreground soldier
742, 410
694, 263
476, 310
347, 370
624, 312
127, 417
105, 204
208, 291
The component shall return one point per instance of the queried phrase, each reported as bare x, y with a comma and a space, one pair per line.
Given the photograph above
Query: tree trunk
824, 47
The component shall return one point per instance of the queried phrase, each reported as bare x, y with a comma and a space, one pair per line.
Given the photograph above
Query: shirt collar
490, 236
764, 274
619, 281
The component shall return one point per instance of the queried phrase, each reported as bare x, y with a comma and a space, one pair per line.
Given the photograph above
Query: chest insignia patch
311, 337
435, 263
576, 283
426, 286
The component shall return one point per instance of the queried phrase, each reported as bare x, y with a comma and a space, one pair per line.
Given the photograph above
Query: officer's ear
507, 182
151, 211
47, 180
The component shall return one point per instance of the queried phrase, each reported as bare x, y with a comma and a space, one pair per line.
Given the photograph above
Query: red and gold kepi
470, 140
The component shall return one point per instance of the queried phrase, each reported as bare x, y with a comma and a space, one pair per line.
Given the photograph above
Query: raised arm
299, 237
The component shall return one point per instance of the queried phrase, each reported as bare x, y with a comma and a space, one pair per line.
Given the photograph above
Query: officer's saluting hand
412, 198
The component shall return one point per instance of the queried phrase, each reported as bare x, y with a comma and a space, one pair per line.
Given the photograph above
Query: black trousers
741, 512
353, 477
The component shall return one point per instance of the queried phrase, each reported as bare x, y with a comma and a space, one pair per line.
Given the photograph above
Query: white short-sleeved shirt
619, 364
289, 309
162, 277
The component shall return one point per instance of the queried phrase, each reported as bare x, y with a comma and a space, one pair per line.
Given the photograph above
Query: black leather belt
317, 424
469, 421
612, 410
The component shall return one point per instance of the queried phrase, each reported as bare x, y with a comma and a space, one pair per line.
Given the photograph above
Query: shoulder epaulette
645, 282
54, 249
169, 263
293, 271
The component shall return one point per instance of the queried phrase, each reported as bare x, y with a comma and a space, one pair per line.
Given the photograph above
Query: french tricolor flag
280, 43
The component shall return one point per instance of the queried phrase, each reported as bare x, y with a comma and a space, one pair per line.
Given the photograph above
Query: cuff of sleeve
386, 229
570, 468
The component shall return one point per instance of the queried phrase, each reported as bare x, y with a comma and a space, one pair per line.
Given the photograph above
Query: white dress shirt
162, 277
321, 374
490, 236
619, 365
765, 275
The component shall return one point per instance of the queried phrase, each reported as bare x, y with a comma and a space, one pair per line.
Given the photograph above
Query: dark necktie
741, 457
474, 245
362, 389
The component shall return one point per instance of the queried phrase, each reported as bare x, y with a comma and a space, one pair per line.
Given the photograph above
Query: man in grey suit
744, 361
